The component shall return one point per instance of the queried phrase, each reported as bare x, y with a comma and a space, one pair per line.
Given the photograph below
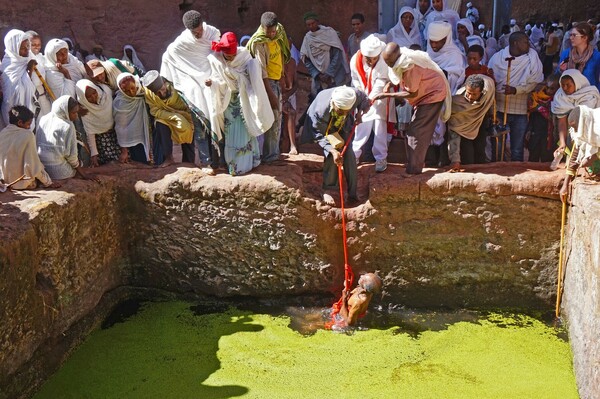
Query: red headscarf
228, 44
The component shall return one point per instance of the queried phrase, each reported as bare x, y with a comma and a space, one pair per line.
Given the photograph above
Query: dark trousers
473, 151
538, 141
137, 153
330, 173
164, 144
419, 134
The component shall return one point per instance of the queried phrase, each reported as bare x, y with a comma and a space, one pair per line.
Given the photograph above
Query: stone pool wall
487, 238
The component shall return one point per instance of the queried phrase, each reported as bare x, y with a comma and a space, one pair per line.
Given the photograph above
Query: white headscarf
56, 80
472, 38
135, 59
343, 97
585, 94
17, 86
491, 47
244, 75
99, 119
132, 123
400, 36
447, 14
371, 46
449, 57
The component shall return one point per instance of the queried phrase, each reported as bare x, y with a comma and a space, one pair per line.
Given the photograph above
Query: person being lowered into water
356, 302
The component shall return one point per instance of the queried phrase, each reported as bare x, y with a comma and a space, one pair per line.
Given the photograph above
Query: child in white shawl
574, 90
44, 100
17, 64
132, 122
63, 70
98, 121
406, 31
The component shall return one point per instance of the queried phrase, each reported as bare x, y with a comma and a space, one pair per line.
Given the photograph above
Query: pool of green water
178, 350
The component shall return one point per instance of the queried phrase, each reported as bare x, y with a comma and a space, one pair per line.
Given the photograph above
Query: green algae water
171, 350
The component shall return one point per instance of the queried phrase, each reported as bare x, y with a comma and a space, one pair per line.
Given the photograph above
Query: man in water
356, 302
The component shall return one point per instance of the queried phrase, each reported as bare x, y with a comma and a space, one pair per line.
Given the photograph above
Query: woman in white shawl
575, 90
406, 32
466, 37
63, 70
491, 47
43, 97
421, 12
441, 12
132, 122
56, 139
17, 64
240, 99
130, 55
98, 121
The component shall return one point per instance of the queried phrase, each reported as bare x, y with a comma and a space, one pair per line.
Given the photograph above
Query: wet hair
474, 82
358, 16
517, 37
72, 104
268, 19
415, 47
476, 48
373, 283
19, 113
585, 29
192, 19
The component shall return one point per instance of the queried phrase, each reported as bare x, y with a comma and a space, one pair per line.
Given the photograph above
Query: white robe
585, 94
99, 118
398, 33
56, 80
132, 122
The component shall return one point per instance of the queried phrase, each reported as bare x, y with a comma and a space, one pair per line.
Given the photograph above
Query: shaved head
391, 53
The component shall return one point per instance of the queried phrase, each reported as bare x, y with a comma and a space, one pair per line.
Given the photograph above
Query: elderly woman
56, 140
98, 121
575, 90
63, 70
239, 98
405, 32
582, 56
16, 70
132, 121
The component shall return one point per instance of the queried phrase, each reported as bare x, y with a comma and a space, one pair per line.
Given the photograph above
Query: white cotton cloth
343, 97
585, 94
447, 14
398, 33
524, 69
185, 64
244, 75
449, 57
316, 46
56, 80
472, 39
491, 47
57, 142
18, 89
99, 118
408, 59
135, 60
132, 123
44, 99
376, 78
587, 135
371, 46
536, 34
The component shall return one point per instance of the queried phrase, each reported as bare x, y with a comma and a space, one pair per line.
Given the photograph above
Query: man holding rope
330, 121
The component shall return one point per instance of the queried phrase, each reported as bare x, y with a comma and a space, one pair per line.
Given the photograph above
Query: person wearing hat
172, 119
323, 55
240, 103
270, 46
472, 13
332, 114
97, 54
370, 75
185, 64
513, 26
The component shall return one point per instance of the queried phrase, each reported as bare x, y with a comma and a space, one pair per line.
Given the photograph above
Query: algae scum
172, 350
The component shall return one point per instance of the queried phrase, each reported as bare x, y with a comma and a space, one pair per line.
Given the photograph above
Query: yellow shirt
275, 64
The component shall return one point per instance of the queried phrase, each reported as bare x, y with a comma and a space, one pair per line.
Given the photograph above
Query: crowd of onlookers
446, 85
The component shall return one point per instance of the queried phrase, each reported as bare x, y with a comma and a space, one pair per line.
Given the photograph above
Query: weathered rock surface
484, 238
581, 303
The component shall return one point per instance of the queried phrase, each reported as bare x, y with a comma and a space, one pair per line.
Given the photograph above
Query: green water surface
166, 351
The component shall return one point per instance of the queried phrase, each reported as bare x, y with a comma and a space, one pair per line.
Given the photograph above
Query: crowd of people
455, 93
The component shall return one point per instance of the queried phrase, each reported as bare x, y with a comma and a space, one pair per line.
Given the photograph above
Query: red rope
348, 273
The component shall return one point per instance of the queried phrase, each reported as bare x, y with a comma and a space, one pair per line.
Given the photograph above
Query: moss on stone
166, 351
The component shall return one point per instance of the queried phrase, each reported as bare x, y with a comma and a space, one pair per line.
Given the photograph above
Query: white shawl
17, 86
471, 39
316, 46
135, 59
132, 123
409, 58
56, 80
523, 70
99, 118
447, 14
379, 77
587, 135
244, 75
449, 58
400, 36
585, 94
185, 64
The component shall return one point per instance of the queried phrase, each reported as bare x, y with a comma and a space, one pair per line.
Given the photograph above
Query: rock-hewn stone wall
581, 303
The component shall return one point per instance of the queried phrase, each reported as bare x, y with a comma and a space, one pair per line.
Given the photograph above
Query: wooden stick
48, 89
560, 257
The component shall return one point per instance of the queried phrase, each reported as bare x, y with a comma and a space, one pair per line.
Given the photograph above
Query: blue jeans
518, 128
